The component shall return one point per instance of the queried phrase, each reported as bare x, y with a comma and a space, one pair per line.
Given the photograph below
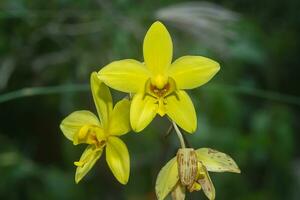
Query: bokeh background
250, 110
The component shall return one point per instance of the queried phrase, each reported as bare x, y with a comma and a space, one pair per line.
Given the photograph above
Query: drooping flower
189, 171
158, 84
83, 127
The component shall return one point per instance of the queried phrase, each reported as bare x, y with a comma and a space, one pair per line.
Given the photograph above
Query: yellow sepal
167, 179
125, 75
119, 120
193, 71
117, 157
102, 99
206, 183
72, 124
87, 160
158, 52
216, 161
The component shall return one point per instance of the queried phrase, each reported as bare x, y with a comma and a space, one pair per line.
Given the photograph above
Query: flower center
160, 92
90, 134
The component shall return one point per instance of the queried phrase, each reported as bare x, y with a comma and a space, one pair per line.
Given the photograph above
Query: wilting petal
87, 160
166, 179
193, 71
206, 183
102, 99
181, 110
158, 49
119, 122
178, 192
72, 124
117, 158
216, 161
125, 75
187, 165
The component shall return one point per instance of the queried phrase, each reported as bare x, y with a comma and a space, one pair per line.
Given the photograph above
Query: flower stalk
179, 135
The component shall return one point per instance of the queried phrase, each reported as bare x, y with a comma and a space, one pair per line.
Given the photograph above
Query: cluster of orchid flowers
155, 86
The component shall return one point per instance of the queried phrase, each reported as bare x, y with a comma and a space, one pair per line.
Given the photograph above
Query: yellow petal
125, 75
72, 124
180, 109
117, 158
216, 161
166, 179
142, 111
102, 99
87, 160
193, 71
119, 122
206, 183
158, 51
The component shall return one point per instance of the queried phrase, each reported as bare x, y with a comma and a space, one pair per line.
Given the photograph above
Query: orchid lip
160, 92
167, 89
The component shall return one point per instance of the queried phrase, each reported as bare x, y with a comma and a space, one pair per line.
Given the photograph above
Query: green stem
179, 135
33, 91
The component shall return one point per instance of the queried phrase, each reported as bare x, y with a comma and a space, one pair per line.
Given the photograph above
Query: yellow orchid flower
189, 170
157, 83
84, 127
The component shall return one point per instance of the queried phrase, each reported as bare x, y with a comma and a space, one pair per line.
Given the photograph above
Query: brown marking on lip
160, 92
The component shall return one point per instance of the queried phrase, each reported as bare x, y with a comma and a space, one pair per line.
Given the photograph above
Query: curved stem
33, 91
179, 134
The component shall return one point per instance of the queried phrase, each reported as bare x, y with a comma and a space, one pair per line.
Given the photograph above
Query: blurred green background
250, 110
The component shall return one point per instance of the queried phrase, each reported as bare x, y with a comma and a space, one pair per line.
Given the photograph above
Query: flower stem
179, 135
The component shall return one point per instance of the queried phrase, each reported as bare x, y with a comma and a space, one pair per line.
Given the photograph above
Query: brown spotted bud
187, 166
